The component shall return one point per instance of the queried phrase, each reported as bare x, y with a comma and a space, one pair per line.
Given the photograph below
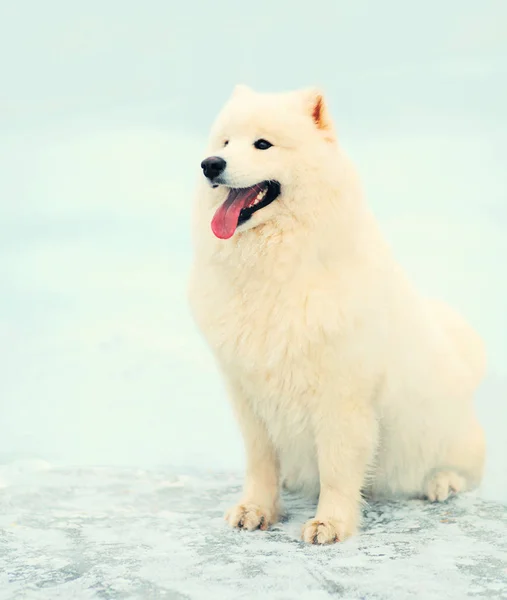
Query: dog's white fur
343, 378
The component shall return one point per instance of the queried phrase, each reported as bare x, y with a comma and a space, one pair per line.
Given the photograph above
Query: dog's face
261, 147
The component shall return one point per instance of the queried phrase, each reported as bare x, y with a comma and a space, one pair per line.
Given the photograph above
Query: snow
97, 533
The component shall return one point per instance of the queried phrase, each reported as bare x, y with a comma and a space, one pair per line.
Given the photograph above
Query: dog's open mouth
240, 205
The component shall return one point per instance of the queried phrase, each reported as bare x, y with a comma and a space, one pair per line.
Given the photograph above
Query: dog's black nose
213, 166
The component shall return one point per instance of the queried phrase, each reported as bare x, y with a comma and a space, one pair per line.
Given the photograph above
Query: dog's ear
316, 107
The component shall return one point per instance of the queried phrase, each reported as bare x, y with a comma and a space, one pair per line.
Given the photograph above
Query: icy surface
143, 534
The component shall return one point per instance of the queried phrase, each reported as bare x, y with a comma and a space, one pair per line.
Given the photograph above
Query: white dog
344, 380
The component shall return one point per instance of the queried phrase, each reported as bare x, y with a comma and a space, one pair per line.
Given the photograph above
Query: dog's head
263, 147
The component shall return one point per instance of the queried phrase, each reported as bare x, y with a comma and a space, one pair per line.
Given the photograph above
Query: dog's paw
325, 531
442, 485
250, 516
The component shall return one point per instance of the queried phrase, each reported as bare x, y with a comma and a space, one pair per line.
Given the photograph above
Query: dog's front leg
259, 505
345, 438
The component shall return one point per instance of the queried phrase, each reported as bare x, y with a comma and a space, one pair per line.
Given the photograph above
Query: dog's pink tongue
225, 221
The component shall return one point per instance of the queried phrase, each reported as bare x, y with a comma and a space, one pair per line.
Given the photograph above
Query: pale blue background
104, 110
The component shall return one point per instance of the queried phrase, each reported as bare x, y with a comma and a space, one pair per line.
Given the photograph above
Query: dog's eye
225, 143
262, 144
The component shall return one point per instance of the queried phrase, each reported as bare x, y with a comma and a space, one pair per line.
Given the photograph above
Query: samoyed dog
345, 381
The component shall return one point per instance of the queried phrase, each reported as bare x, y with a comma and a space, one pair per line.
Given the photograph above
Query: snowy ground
145, 534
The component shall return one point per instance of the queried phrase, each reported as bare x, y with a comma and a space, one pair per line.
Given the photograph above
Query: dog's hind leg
465, 465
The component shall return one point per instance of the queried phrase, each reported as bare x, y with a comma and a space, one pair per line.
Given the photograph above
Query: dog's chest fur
267, 329
274, 336
269, 338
